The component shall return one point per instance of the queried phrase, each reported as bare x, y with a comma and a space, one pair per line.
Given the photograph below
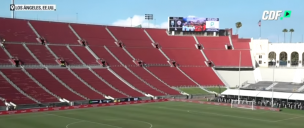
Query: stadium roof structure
265, 94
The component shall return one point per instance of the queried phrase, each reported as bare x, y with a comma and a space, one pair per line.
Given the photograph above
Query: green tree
238, 25
285, 30
291, 31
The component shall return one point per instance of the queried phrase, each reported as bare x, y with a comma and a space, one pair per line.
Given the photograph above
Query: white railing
71, 50
149, 36
51, 51
34, 30
230, 40
92, 53
79, 38
7, 53
111, 34
29, 51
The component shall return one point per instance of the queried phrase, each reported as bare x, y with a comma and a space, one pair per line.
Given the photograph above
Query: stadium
192, 74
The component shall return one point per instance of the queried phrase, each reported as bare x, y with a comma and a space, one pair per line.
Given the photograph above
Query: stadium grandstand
74, 62
47, 66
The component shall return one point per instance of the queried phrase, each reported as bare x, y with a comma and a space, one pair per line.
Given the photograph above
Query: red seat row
137, 43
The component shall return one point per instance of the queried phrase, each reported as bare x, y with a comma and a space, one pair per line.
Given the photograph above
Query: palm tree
238, 25
284, 30
291, 31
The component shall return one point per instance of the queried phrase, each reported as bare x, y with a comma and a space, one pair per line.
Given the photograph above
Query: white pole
272, 85
13, 12
239, 78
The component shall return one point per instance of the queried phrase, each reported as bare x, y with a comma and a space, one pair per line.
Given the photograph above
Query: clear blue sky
249, 12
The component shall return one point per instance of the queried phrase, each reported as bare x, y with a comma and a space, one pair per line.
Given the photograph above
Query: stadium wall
262, 47
281, 74
232, 77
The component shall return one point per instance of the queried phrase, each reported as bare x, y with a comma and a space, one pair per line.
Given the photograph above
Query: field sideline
156, 115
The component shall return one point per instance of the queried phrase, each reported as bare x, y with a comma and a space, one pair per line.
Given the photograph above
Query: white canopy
242, 92
297, 96
265, 94
279, 95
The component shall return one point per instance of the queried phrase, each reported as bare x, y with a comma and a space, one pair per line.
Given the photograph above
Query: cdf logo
274, 15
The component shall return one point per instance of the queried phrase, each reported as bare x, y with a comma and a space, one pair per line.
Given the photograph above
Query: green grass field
157, 115
201, 91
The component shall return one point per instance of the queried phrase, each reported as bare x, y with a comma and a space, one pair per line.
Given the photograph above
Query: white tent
242, 92
297, 96
265, 94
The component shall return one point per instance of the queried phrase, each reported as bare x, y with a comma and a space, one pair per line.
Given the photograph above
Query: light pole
240, 59
273, 62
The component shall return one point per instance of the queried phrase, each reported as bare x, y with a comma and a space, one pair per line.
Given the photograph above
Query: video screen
195, 24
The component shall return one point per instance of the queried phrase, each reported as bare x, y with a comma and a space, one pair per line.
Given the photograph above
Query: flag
259, 23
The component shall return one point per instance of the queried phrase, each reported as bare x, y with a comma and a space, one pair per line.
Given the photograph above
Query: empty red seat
160, 36
94, 34
55, 32
8, 92
16, 30
153, 81
131, 37
96, 83
27, 85
148, 55
192, 57
4, 59
229, 58
137, 83
122, 55
117, 83
48, 81
171, 76
84, 55
102, 53
42, 54
205, 76
18, 50
242, 44
69, 79
213, 42
66, 54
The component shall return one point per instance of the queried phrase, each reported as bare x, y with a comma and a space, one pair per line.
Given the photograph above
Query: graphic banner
193, 24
